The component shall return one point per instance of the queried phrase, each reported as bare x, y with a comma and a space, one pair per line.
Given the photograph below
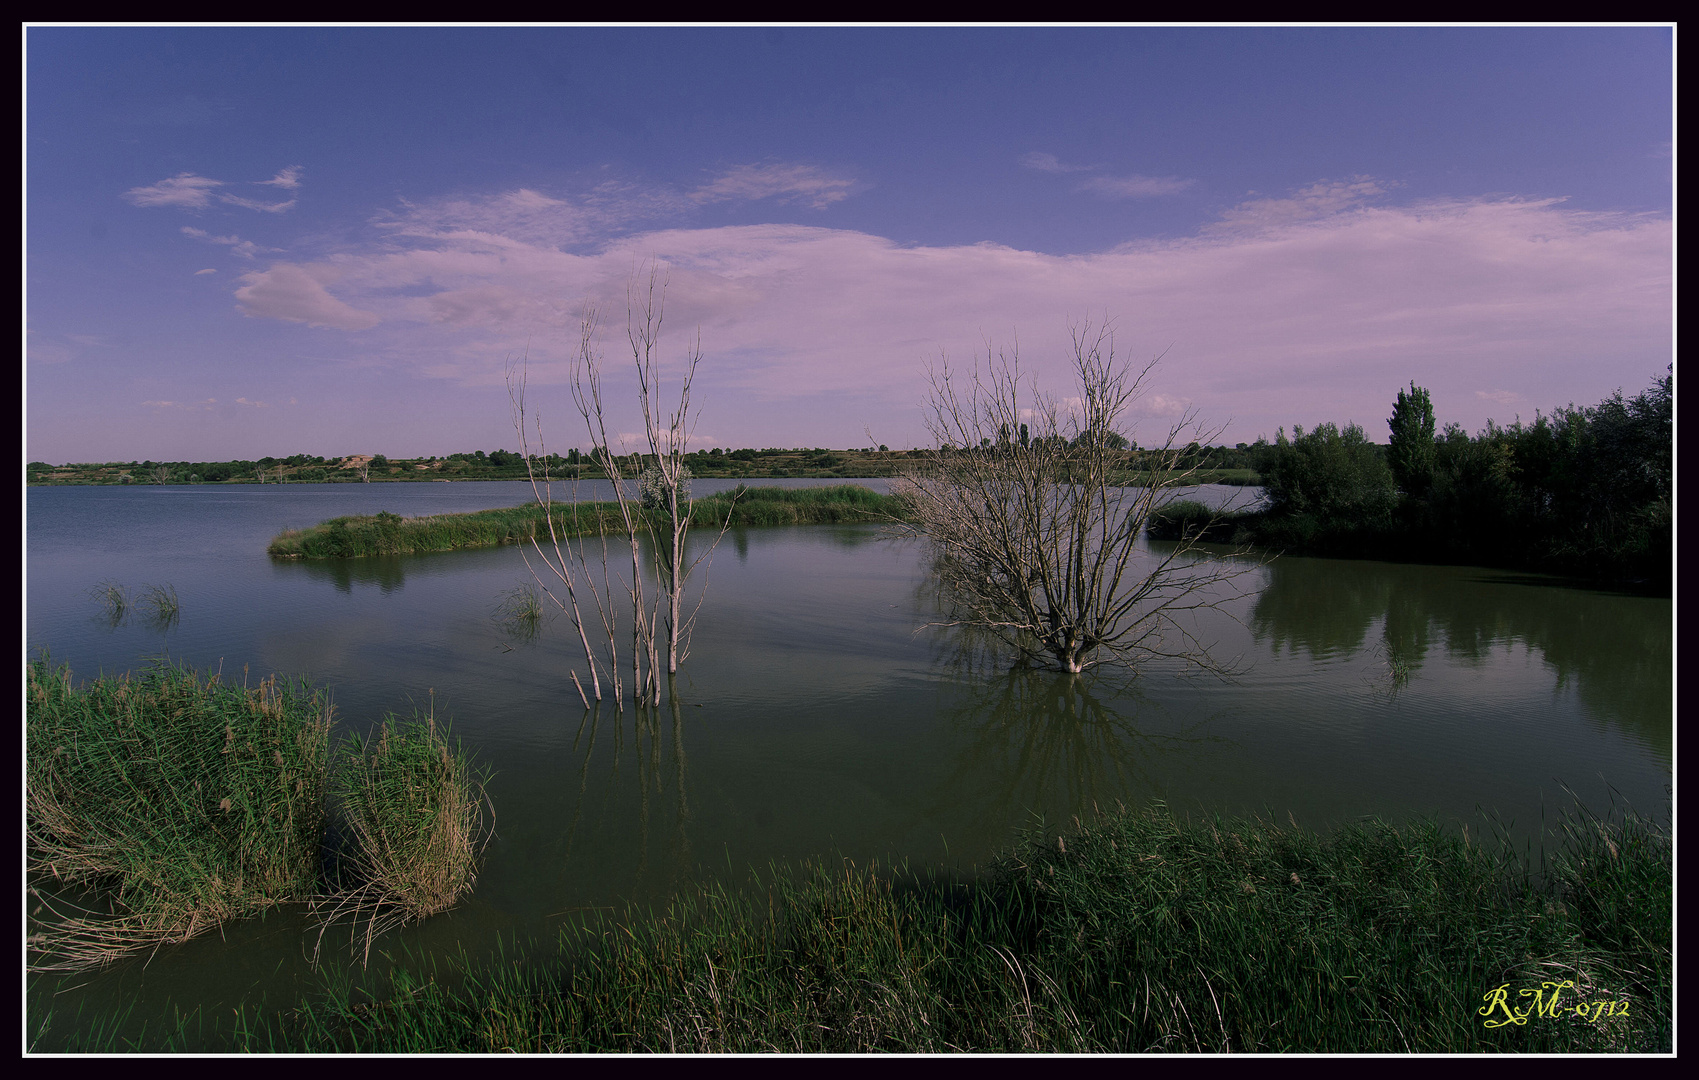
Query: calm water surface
815, 717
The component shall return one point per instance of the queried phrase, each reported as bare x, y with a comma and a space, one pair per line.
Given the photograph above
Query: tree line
1584, 491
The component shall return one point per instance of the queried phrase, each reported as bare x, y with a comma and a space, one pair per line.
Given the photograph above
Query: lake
817, 716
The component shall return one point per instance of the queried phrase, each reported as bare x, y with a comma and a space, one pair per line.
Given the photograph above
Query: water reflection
1613, 650
1048, 739
387, 572
642, 753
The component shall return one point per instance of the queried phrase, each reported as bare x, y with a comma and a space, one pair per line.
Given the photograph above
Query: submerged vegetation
391, 534
1136, 932
160, 806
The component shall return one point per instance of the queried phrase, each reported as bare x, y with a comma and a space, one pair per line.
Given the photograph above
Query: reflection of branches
1044, 736
656, 770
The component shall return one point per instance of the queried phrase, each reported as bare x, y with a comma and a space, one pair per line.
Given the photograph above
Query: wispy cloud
1320, 200
1134, 186
206, 404
786, 183
1049, 163
289, 178
245, 248
256, 204
1500, 397
208, 270
185, 191
189, 191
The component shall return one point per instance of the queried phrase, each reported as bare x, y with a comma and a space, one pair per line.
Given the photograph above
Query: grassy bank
390, 534
1137, 932
160, 806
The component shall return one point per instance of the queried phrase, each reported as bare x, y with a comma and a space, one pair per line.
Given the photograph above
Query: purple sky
245, 242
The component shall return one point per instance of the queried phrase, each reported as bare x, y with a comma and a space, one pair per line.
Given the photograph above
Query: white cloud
1500, 397
245, 248
252, 404
255, 204
188, 191
1133, 187
1165, 405
205, 405
787, 183
185, 190
1320, 200
289, 178
1315, 306
208, 270
294, 294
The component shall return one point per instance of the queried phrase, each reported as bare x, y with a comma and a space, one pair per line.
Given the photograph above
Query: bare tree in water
660, 511
1036, 513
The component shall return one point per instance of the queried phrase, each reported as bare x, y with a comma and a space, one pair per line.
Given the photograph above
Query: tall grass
390, 534
1136, 932
159, 806
414, 825
168, 804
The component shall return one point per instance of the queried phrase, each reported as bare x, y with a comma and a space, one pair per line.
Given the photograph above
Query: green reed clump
169, 803
1188, 519
114, 601
837, 504
413, 821
390, 534
161, 604
519, 612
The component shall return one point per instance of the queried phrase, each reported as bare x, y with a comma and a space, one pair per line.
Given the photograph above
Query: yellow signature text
1547, 1003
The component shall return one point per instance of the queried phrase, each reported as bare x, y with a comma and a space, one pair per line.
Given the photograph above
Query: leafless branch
1036, 533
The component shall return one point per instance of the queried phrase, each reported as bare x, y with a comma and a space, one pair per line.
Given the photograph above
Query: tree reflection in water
647, 743
1046, 741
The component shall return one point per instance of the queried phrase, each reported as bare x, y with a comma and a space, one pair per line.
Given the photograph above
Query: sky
244, 242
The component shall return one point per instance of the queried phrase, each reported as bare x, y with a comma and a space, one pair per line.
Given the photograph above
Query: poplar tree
1412, 453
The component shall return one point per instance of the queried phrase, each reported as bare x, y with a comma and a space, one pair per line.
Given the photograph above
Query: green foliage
652, 488
1334, 482
1587, 491
1411, 452
390, 534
